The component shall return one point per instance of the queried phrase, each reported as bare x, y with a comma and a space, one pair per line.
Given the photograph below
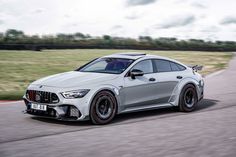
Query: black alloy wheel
103, 108
188, 98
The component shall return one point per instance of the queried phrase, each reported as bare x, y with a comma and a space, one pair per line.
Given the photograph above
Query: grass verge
19, 68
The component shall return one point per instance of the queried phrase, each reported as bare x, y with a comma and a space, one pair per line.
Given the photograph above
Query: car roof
134, 55
127, 55
138, 55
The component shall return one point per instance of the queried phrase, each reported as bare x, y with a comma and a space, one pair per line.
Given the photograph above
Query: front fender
115, 90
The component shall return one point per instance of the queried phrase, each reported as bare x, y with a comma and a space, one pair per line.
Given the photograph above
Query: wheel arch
112, 90
189, 83
179, 88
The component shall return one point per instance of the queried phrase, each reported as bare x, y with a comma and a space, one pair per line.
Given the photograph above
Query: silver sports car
115, 84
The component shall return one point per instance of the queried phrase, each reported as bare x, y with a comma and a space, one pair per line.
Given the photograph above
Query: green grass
19, 68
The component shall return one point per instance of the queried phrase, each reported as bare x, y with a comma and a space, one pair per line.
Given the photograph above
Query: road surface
209, 131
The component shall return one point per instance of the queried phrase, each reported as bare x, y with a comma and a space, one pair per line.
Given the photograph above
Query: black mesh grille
41, 96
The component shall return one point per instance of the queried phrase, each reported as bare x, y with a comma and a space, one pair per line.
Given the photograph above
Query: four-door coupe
115, 84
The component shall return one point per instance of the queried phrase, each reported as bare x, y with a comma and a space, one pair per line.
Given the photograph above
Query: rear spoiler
196, 67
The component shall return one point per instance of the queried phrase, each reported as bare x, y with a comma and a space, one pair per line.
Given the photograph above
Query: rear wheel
103, 108
188, 98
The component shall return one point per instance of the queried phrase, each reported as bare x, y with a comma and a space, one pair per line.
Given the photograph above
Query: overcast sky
183, 19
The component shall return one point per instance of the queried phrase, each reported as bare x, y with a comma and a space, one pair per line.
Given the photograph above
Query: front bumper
65, 112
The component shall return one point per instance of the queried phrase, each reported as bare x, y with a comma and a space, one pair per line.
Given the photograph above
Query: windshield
107, 65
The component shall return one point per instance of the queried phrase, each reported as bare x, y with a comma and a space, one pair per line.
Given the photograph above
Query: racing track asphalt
209, 131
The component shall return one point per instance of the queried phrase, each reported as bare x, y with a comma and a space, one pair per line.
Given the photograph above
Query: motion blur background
43, 37
40, 37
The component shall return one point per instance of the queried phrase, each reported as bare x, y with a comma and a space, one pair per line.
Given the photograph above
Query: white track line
10, 102
214, 73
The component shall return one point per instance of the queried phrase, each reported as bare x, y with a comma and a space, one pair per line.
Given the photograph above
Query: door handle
179, 77
152, 79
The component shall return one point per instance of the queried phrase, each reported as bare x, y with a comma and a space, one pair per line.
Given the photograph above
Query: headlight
75, 93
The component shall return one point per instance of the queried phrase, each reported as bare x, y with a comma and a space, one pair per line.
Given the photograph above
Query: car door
139, 91
168, 75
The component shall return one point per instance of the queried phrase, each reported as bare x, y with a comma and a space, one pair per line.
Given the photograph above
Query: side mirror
136, 72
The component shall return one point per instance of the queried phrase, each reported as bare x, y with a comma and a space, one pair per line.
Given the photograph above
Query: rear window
181, 68
167, 66
162, 65
176, 67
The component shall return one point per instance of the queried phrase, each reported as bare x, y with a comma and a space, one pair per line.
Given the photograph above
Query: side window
181, 67
162, 65
145, 66
176, 67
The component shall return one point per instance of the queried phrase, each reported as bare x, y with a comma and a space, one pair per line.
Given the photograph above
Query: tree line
17, 40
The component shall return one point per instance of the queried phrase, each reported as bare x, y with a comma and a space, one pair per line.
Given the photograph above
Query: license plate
39, 107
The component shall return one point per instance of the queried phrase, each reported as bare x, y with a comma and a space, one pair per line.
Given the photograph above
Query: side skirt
144, 108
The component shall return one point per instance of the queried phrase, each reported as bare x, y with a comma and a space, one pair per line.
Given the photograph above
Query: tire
188, 99
103, 108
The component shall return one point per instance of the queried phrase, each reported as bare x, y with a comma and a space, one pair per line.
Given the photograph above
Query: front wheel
103, 108
188, 98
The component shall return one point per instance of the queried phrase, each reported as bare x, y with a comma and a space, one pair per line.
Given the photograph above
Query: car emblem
40, 86
38, 97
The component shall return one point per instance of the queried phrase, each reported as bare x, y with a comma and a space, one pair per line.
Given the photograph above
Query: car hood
74, 79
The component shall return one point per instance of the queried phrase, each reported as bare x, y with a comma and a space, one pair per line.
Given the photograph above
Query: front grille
41, 96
